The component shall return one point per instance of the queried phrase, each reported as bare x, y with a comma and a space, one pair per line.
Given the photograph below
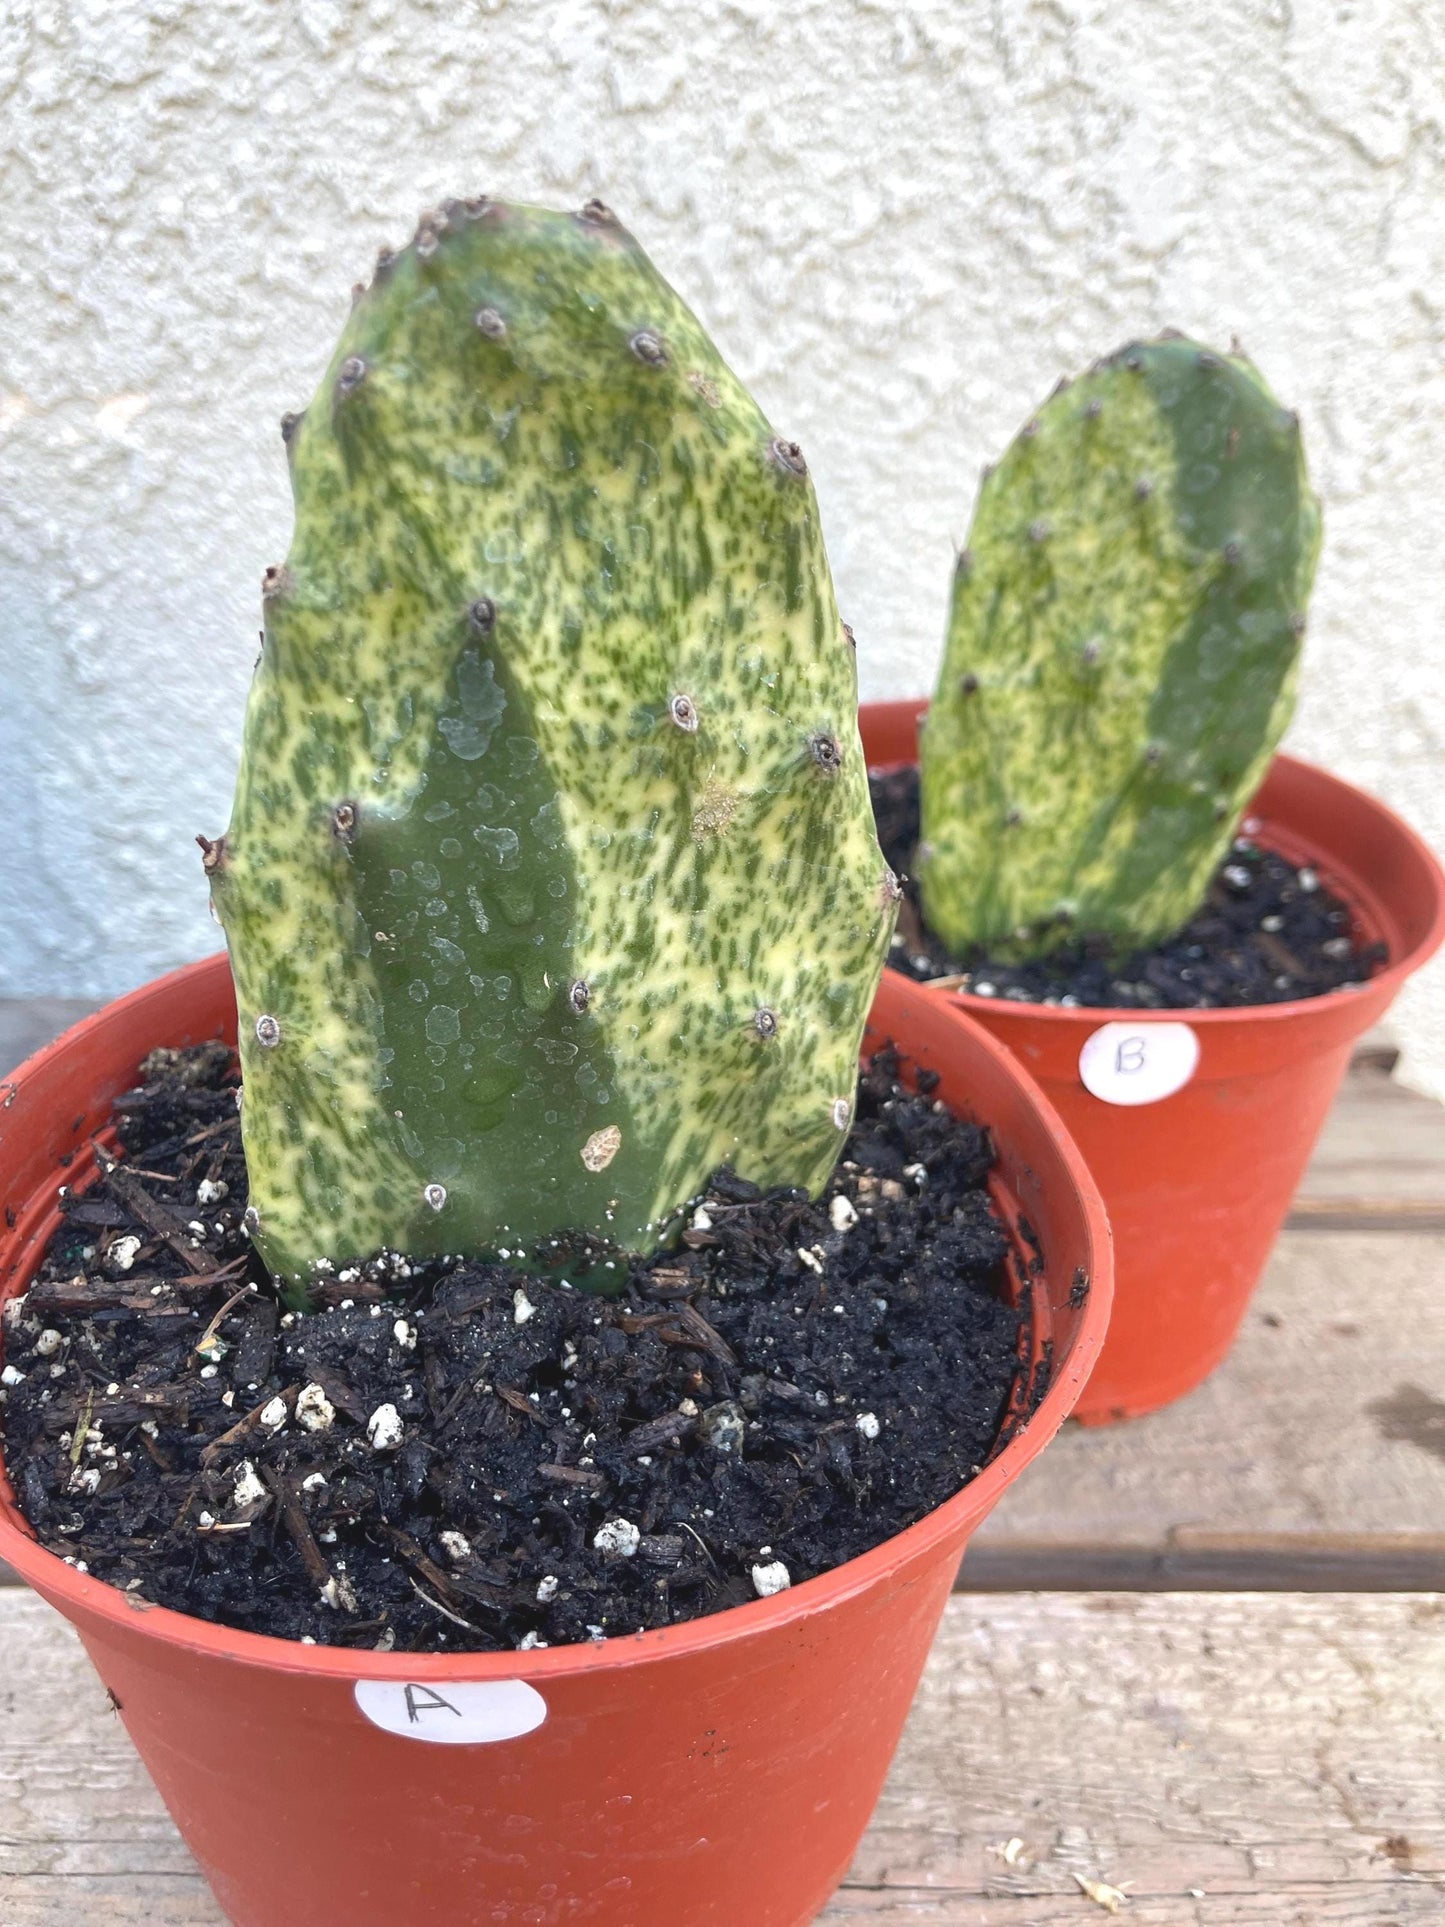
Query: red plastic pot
720, 1772
1197, 1183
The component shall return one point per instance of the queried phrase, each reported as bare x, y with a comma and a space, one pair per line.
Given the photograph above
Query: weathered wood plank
1381, 1142
1342, 1905
118, 1901
1283, 1756
1319, 1442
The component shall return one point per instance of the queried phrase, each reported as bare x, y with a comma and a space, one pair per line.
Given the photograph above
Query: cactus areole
1121, 655
551, 881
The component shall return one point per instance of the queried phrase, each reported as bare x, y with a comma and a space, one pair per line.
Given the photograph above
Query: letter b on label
1138, 1063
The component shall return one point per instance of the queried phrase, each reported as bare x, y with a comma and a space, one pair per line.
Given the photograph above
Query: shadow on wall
100, 887
43, 809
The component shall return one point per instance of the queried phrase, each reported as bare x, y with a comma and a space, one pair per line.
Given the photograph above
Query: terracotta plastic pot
1198, 1181
720, 1772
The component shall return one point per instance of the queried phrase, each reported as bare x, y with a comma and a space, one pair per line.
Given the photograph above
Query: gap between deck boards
1215, 1562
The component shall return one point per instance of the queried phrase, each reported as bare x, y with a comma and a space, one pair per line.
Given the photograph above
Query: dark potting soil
1268, 932
455, 1455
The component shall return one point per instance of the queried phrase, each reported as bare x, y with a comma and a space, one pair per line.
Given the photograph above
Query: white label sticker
472, 1713
1138, 1063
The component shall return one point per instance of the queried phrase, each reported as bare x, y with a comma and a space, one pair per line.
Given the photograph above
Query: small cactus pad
1121, 655
551, 882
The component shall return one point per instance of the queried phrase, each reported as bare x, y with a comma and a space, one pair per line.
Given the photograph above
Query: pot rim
86, 1596
1388, 980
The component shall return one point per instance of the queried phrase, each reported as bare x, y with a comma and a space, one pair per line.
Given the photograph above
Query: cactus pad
551, 882
1121, 655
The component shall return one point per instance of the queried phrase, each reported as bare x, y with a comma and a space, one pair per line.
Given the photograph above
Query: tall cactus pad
551, 882
1121, 654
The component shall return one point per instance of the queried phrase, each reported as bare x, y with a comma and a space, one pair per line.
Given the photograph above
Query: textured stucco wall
900, 220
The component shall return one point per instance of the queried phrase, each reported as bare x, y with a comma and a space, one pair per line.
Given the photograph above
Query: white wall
901, 219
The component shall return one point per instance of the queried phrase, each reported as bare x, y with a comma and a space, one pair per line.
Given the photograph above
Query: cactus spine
1121, 655
551, 882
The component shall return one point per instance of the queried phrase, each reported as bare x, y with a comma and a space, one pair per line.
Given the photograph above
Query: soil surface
455, 1455
1268, 932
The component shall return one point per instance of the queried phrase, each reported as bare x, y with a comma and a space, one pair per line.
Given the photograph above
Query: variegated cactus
1121, 654
551, 882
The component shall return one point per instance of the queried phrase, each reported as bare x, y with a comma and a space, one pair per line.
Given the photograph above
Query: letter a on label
461, 1713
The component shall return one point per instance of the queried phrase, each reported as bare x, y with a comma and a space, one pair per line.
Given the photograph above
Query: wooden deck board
1380, 1142
1293, 1905
1283, 1755
1317, 1448
1223, 1759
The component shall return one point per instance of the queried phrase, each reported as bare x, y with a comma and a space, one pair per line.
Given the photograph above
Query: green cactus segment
552, 882
1121, 654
